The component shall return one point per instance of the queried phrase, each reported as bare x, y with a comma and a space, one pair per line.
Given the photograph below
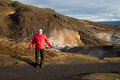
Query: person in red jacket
39, 40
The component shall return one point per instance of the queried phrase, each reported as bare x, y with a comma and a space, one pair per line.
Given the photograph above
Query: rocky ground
59, 71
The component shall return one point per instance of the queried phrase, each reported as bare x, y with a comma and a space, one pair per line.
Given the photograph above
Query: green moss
79, 59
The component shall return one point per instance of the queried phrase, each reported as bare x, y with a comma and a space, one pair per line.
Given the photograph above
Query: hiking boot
41, 66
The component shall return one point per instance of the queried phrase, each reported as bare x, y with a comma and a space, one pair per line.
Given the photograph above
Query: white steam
64, 37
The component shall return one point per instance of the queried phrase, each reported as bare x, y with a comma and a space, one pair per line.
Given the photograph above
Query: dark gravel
56, 72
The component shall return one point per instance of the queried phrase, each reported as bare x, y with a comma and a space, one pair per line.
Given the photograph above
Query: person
39, 40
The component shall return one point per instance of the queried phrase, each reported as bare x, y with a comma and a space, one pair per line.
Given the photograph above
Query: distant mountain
113, 23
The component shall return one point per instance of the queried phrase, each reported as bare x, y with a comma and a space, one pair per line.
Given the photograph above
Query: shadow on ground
28, 61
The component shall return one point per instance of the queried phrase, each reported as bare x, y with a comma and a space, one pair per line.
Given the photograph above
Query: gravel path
56, 72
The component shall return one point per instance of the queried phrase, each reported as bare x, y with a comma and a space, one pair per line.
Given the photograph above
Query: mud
97, 51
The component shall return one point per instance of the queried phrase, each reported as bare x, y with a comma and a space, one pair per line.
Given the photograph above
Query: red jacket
39, 41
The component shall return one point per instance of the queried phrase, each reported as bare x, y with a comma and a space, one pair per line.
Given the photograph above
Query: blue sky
94, 10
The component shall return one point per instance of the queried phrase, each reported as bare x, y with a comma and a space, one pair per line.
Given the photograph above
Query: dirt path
56, 72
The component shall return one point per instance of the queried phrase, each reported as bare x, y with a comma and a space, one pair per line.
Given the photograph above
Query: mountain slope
23, 22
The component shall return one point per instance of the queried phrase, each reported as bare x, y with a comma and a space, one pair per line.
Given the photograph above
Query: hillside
20, 23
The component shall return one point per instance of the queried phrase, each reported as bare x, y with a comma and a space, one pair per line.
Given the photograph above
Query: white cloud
96, 9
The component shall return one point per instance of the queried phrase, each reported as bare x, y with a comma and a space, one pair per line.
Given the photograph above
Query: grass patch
11, 48
102, 76
71, 58
79, 59
115, 59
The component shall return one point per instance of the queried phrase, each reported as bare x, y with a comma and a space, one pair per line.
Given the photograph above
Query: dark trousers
39, 56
